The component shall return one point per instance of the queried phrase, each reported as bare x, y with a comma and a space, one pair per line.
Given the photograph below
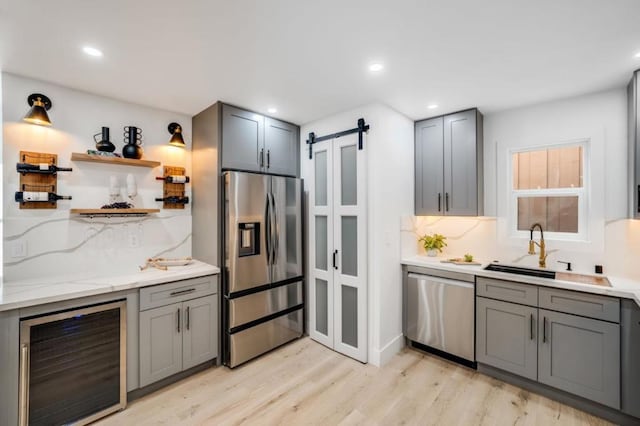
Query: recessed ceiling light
637, 55
92, 51
376, 67
432, 106
272, 110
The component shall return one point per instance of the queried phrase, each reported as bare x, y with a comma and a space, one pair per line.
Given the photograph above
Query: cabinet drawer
583, 304
509, 291
178, 291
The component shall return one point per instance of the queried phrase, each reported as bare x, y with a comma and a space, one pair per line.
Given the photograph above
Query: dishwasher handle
439, 280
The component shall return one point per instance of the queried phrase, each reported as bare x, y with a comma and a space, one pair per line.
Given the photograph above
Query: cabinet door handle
187, 315
531, 326
446, 201
335, 255
181, 292
638, 198
268, 158
178, 318
439, 201
261, 157
544, 330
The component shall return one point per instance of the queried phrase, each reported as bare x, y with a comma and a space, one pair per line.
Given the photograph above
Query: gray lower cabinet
253, 142
448, 165
200, 333
160, 343
177, 337
581, 356
564, 339
506, 336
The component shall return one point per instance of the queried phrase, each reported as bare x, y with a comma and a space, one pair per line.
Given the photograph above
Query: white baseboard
380, 357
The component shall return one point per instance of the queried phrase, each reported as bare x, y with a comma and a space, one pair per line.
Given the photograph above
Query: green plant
468, 257
433, 242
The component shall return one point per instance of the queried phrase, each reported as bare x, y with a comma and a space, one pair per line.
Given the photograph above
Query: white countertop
620, 287
21, 294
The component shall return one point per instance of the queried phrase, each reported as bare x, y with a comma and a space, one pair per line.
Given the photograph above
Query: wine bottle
174, 200
36, 197
42, 168
174, 179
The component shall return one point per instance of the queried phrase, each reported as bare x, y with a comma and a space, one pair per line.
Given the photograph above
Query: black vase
133, 140
104, 144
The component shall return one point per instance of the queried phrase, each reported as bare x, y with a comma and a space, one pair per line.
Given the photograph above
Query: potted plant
433, 244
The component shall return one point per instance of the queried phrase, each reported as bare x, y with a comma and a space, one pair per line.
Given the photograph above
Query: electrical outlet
19, 249
134, 240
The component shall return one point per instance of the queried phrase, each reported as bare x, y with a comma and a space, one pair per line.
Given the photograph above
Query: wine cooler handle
178, 317
23, 415
187, 320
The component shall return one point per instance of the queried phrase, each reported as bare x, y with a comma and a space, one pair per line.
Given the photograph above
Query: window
549, 187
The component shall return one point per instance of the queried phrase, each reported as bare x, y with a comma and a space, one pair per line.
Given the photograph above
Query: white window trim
582, 194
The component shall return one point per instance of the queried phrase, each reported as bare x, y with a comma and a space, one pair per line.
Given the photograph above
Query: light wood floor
306, 383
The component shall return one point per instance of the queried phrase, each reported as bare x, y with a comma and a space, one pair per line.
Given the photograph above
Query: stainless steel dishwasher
438, 310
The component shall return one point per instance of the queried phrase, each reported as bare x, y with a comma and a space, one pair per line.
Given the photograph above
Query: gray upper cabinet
255, 143
448, 165
633, 122
581, 356
243, 139
506, 336
281, 143
429, 167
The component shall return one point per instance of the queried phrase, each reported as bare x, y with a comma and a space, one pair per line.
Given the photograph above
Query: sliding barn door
338, 258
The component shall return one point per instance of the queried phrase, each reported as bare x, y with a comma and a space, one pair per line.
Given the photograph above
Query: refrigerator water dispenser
249, 244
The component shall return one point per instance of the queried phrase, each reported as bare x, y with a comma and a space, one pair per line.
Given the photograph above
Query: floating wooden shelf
79, 156
114, 212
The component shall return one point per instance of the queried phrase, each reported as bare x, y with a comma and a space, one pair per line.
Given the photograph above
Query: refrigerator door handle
267, 226
275, 230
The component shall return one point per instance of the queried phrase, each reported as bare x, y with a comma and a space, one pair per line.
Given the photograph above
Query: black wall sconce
176, 135
39, 104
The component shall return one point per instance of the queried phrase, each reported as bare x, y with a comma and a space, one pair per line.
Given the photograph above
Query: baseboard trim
380, 357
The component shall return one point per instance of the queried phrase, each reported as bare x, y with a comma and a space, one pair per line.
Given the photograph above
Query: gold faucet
542, 262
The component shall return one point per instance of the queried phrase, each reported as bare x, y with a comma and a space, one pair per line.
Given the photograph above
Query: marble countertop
620, 287
21, 294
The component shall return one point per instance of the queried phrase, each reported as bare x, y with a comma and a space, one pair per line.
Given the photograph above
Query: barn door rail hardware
362, 128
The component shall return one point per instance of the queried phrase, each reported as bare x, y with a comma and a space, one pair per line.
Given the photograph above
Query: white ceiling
310, 58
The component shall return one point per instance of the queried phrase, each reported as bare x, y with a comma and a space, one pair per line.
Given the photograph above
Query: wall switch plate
18, 249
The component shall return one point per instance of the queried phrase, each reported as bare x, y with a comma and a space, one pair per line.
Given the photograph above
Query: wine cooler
73, 365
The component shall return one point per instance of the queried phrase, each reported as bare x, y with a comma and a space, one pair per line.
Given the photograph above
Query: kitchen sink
543, 273
519, 270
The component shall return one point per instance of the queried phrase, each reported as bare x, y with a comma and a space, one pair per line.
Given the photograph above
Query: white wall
58, 243
389, 148
614, 240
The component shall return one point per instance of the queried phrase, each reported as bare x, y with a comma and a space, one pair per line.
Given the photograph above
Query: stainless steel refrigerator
263, 304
